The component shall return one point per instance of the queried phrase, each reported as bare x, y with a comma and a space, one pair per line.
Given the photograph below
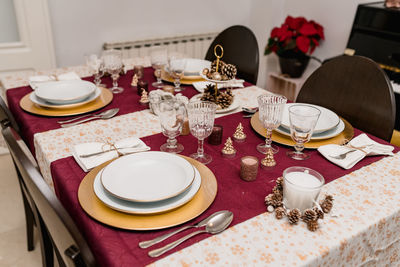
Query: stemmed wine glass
201, 121
303, 119
172, 114
96, 66
159, 59
270, 115
177, 69
113, 64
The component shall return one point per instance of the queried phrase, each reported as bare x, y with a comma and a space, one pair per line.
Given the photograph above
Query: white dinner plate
327, 119
233, 106
318, 136
43, 103
147, 176
194, 66
65, 92
146, 207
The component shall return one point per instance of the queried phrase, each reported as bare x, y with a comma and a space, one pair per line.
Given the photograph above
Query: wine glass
171, 114
303, 119
159, 59
177, 69
201, 121
113, 64
96, 66
270, 115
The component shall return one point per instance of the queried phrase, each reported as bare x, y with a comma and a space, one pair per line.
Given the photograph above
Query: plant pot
293, 66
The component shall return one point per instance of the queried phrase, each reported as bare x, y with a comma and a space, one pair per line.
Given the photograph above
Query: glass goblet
159, 59
177, 69
171, 114
201, 121
303, 119
270, 115
96, 66
113, 64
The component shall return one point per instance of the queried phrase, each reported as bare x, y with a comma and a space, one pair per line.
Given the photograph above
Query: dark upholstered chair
357, 89
241, 49
56, 227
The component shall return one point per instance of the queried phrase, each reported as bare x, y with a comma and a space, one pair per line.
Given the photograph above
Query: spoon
216, 225
80, 117
104, 115
148, 243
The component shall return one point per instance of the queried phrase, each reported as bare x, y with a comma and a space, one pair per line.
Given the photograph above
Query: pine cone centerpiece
294, 216
214, 66
312, 226
225, 99
327, 204
280, 212
309, 215
273, 200
222, 99
229, 71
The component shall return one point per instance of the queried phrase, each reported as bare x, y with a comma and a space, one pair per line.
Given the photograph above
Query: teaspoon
104, 115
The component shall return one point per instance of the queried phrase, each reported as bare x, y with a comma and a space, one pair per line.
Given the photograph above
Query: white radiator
192, 46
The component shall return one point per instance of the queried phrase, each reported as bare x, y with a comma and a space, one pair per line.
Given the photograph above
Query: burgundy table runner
116, 247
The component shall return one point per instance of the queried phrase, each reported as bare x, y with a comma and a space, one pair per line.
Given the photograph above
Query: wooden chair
241, 49
357, 89
56, 226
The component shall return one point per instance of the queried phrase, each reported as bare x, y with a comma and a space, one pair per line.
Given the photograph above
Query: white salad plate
194, 66
46, 104
318, 136
327, 119
65, 92
146, 207
235, 104
148, 176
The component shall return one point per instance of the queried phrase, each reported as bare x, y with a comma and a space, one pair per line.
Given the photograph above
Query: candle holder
301, 187
216, 135
248, 168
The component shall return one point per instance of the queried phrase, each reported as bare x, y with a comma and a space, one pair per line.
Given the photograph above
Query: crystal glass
96, 66
201, 121
303, 119
171, 114
177, 69
159, 59
270, 115
113, 64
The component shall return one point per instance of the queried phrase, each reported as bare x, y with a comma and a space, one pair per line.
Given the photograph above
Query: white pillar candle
301, 187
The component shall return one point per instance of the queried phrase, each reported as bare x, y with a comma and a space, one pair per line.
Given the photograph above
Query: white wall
8, 22
81, 27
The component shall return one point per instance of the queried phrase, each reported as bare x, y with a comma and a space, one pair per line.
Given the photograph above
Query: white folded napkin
364, 147
200, 86
34, 80
124, 146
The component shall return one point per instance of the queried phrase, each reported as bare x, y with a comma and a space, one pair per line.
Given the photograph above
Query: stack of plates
147, 183
65, 94
328, 125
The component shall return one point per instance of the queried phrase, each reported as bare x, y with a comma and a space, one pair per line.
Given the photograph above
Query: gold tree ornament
239, 135
144, 99
135, 80
228, 151
269, 160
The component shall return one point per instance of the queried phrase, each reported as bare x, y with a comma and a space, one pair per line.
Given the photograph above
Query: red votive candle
248, 168
142, 85
215, 137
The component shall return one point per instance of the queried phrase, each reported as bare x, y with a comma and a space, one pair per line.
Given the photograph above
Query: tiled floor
13, 250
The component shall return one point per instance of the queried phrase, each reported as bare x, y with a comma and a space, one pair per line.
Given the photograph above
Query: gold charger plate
187, 80
100, 212
103, 100
340, 139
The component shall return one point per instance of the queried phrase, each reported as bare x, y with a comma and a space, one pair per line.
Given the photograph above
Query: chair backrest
6, 118
240, 49
65, 236
357, 89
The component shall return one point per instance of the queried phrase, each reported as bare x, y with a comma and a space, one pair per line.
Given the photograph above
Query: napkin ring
111, 147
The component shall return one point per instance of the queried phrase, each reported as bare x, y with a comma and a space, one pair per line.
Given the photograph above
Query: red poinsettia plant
296, 36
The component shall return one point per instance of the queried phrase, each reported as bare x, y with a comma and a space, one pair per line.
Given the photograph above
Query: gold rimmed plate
102, 213
346, 135
101, 101
187, 80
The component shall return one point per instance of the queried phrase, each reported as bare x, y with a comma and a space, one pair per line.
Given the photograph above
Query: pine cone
208, 97
294, 216
210, 88
279, 183
277, 191
329, 197
320, 213
229, 70
309, 215
327, 204
224, 100
268, 200
312, 226
280, 212
272, 200
214, 66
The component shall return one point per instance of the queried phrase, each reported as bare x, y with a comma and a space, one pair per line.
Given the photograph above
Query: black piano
376, 34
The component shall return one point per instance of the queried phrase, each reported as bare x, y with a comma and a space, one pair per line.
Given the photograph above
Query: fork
343, 155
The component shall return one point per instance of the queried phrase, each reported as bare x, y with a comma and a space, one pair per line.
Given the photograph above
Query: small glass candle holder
185, 126
139, 71
169, 89
301, 187
142, 85
248, 168
216, 135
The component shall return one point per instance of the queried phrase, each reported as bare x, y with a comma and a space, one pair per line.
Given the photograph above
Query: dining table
362, 229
